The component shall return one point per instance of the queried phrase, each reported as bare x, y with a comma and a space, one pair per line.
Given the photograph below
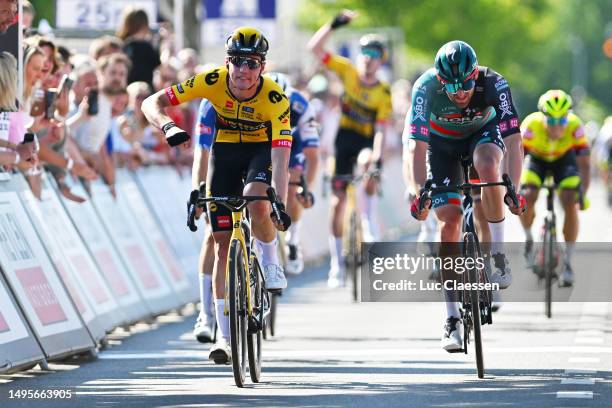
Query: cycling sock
293, 235
335, 250
369, 214
452, 306
528, 235
497, 236
206, 305
222, 320
569, 251
269, 252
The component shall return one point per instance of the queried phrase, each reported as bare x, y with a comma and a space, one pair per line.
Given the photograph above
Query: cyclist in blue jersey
204, 132
462, 109
303, 162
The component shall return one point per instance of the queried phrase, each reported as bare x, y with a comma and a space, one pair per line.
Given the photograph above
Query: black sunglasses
240, 61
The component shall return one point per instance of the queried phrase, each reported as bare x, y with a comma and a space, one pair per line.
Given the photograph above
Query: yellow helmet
555, 103
246, 41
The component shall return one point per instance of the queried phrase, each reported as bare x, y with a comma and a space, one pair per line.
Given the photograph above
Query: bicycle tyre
353, 255
237, 310
471, 249
254, 340
548, 267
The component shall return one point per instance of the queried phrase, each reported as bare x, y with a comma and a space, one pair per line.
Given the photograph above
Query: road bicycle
476, 307
549, 257
247, 300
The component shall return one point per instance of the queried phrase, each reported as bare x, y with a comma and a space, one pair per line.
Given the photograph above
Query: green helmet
456, 63
555, 103
246, 41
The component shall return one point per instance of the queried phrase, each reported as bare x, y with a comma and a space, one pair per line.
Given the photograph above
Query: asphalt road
331, 352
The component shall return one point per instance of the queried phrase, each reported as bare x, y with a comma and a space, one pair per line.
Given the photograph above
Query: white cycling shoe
274, 277
204, 328
220, 352
295, 261
452, 337
502, 273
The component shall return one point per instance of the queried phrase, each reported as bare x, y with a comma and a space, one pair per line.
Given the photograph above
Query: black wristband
338, 21
167, 127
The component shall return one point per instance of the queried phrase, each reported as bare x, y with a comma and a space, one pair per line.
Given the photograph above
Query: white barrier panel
132, 198
157, 185
126, 289
18, 347
130, 243
55, 227
35, 283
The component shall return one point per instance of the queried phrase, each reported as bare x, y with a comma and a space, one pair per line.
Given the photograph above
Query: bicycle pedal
461, 350
277, 292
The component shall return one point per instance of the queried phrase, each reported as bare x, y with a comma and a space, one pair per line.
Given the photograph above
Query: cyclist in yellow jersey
250, 151
366, 110
555, 145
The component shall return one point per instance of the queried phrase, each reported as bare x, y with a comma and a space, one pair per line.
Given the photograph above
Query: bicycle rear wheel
237, 308
470, 250
548, 266
353, 257
256, 326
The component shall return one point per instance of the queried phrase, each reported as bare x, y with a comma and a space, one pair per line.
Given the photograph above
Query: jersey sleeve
280, 125
307, 126
198, 86
205, 127
340, 65
581, 143
383, 114
498, 95
417, 120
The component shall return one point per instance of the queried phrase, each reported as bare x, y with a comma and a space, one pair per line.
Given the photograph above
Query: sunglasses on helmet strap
468, 84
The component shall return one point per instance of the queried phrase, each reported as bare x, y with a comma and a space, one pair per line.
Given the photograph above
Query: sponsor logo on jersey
285, 132
298, 107
229, 104
179, 88
514, 123
504, 105
284, 114
172, 96
503, 126
205, 130
501, 84
261, 176
281, 143
424, 130
418, 109
413, 129
248, 109
190, 82
224, 221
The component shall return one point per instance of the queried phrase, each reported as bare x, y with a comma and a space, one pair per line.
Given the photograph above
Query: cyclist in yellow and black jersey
250, 151
366, 110
555, 145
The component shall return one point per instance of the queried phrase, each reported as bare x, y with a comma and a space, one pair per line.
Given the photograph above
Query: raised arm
316, 45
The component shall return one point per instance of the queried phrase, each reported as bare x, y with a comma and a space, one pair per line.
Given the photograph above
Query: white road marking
575, 394
589, 340
578, 381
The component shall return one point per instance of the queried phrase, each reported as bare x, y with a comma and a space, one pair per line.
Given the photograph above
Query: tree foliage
535, 44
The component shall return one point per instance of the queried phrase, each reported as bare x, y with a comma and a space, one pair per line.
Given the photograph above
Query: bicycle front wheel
254, 338
470, 250
548, 266
353, 255
238, 312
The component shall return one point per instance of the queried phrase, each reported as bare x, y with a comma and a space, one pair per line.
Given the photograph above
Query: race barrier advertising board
121, 225
157, 185
51, 220
18, 347
127, 290
35, 283
129, 193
